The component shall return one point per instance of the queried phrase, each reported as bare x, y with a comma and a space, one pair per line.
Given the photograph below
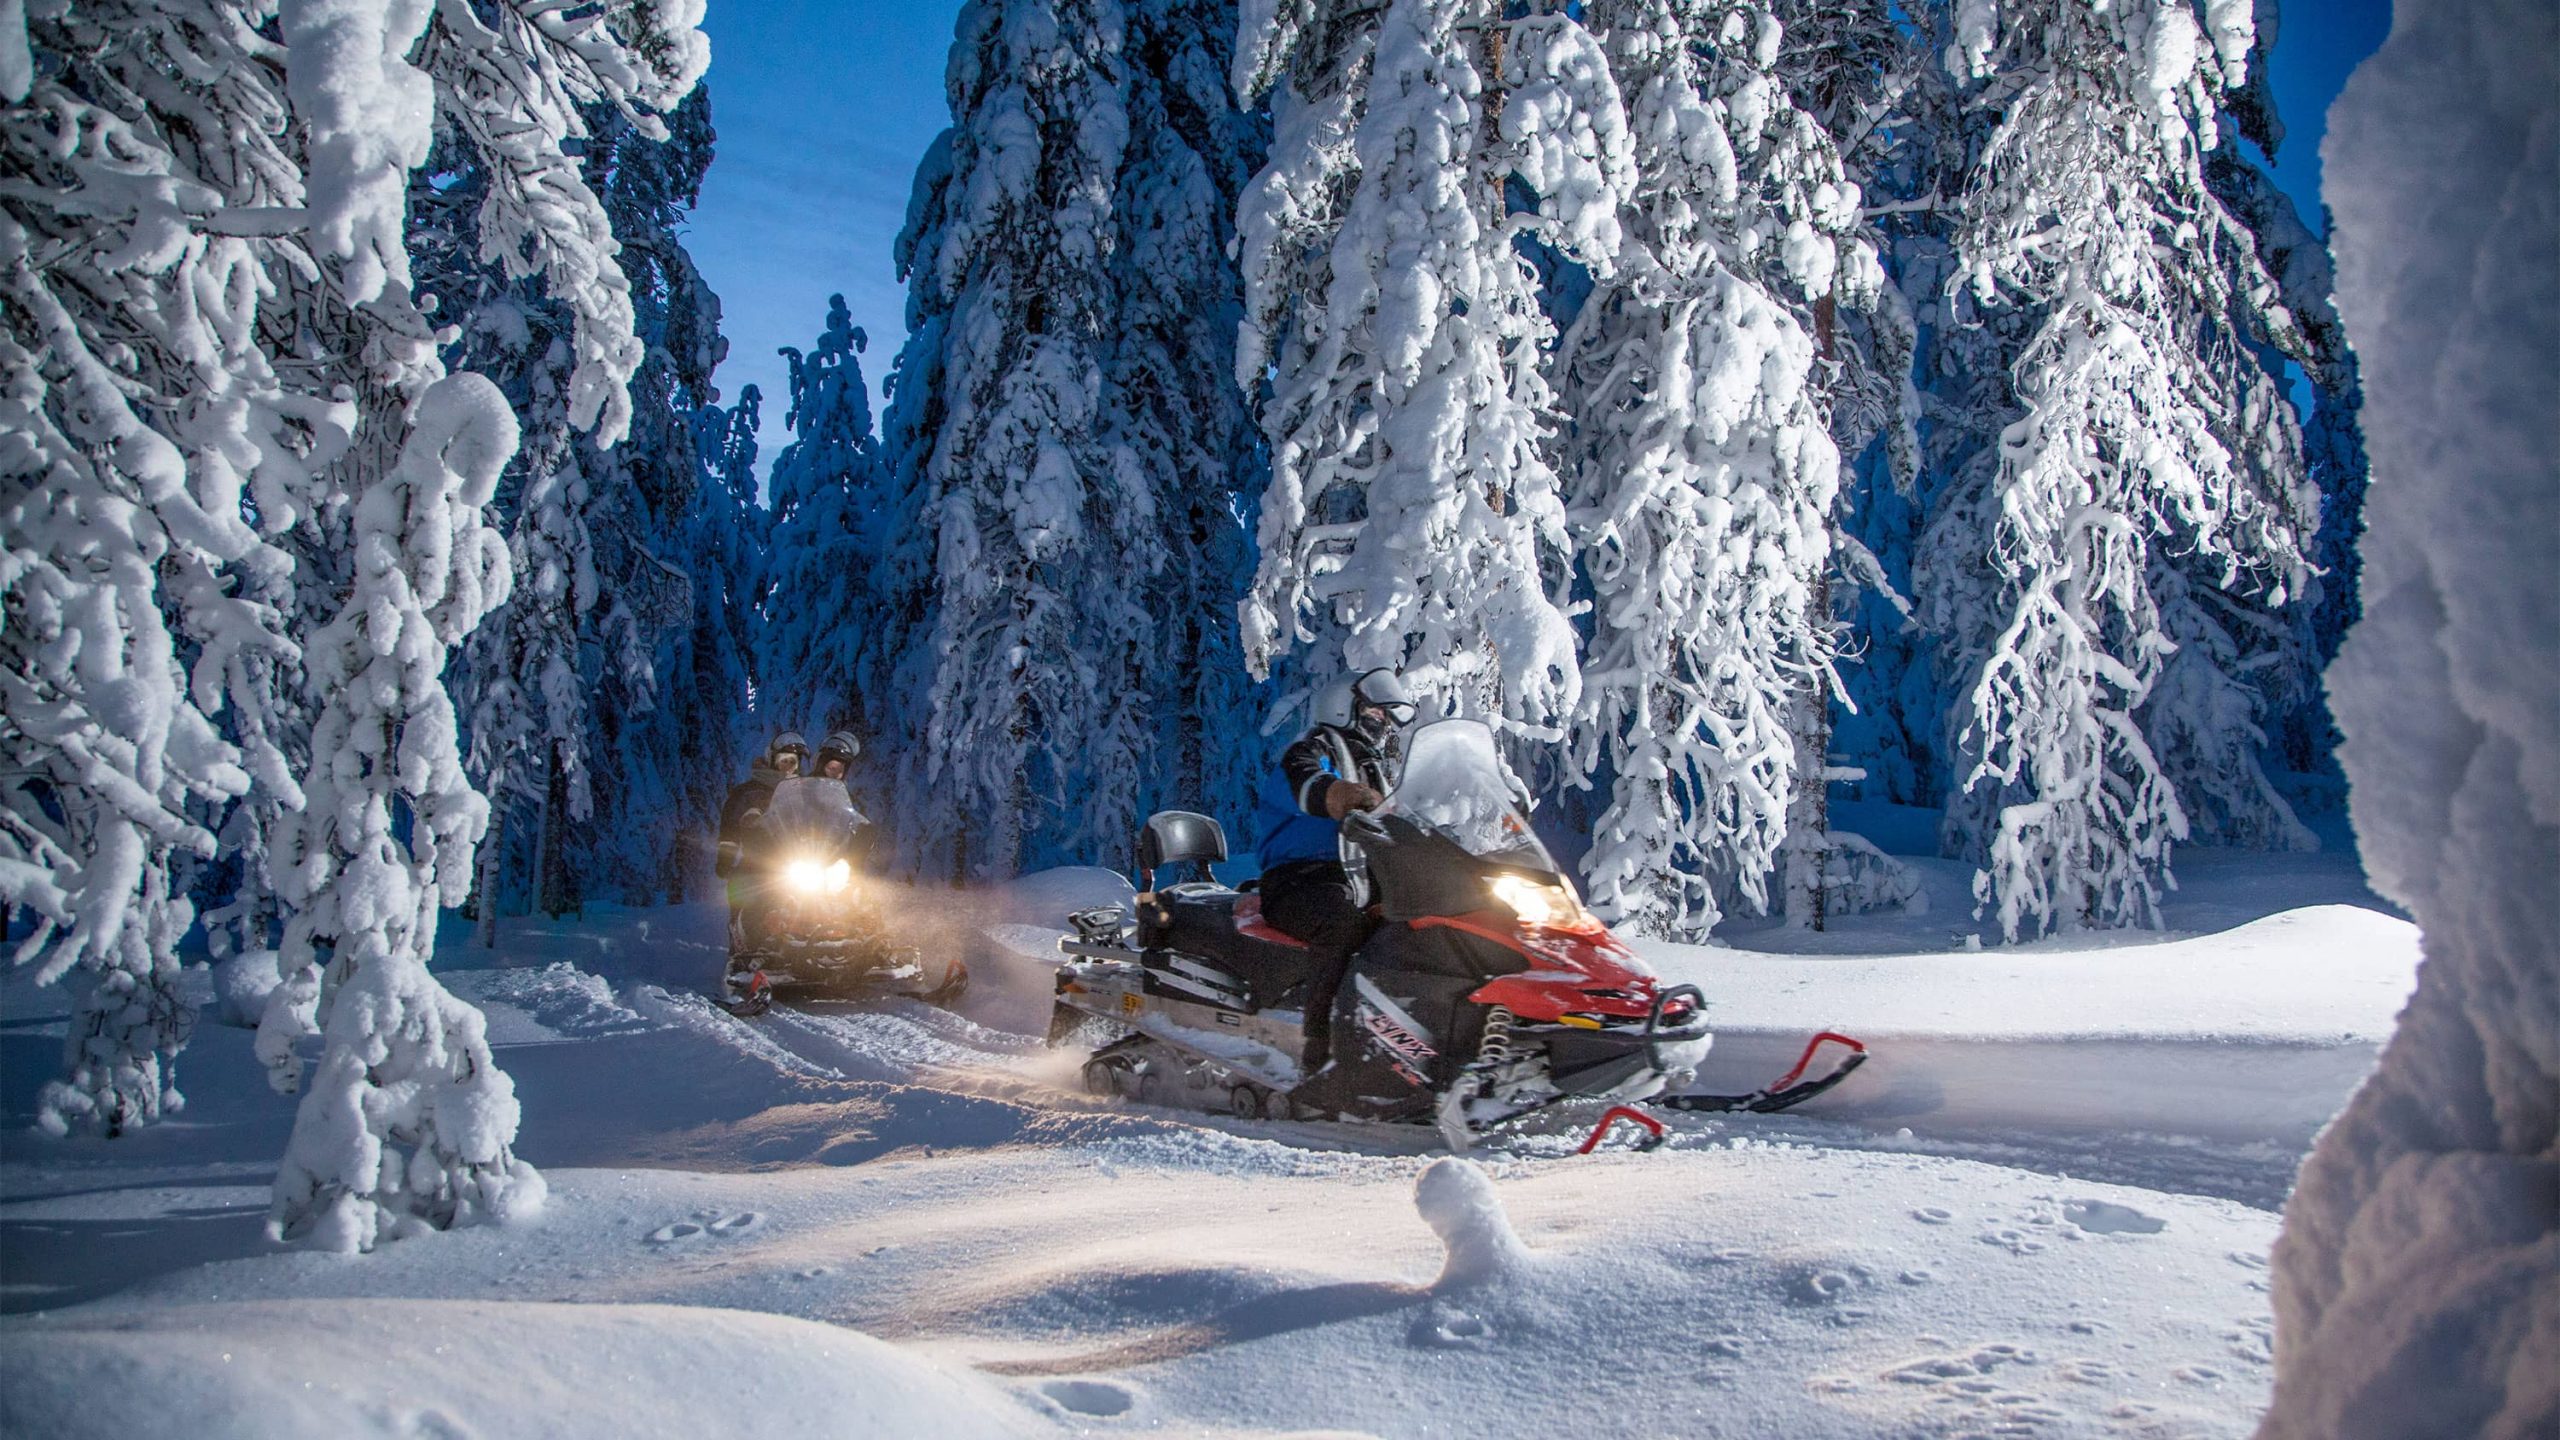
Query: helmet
840, 745
1373, 702
788, 742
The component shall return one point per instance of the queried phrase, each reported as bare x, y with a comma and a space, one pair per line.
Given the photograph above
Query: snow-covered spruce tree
409, 1122
646, 838
1023, 673
144, 422
1704, 475
2417, 1277
817, 577
2333, 456
1169, 390
706, 711
2147, 432
1413, 517
556, 680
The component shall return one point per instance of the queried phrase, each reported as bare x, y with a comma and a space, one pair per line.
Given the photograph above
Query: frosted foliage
513, 85
1704, 476
408, 1120
1044, 515
2417, 1278
139, 414
1169, 390
2147, 430
1413, 517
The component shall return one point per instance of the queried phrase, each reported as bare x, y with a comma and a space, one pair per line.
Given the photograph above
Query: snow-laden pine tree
2148, 451
1021, 675
153, 449
1704, 475
409, 1122
818, 575
1169, 391
1414, 518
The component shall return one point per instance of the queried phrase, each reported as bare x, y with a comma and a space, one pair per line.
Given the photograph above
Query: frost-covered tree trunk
1704, 474
1413, 517
409, 1122
1043, 528
2417, 1277
2147, 431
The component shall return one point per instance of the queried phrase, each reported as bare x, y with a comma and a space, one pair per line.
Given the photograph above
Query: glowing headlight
815, 877
1535, 903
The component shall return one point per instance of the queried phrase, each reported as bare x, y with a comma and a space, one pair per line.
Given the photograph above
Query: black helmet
839, 746
787, 743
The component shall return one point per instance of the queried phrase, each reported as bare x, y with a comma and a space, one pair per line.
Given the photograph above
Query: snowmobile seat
1227, 930
1173, 837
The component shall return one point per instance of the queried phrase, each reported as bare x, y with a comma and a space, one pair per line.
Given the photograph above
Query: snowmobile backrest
1174, 836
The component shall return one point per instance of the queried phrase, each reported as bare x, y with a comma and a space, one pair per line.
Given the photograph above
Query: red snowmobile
1488, 994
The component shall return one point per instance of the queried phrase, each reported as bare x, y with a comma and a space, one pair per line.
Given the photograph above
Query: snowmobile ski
1790, 1090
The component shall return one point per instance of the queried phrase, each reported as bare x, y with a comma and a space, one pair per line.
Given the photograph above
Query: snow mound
328, 1369
1048, 897
1458, 1202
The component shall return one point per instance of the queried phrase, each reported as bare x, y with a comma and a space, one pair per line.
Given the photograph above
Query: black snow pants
1311, 899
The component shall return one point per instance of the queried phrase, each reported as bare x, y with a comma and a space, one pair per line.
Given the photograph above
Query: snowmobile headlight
1538, 903
817, 877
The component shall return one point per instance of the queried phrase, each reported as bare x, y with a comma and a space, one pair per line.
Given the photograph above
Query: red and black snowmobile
1487, 994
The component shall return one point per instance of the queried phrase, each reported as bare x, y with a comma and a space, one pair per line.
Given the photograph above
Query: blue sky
824, 108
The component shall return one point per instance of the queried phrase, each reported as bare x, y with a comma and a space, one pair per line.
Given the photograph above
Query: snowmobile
820, 923
1488, 993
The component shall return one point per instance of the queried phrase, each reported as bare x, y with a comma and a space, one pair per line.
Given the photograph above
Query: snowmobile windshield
1454, 786
809, 810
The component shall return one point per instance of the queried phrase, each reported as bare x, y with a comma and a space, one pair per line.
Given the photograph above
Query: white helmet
1381, 693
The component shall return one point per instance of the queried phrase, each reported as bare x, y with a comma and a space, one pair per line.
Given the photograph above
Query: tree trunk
492, 853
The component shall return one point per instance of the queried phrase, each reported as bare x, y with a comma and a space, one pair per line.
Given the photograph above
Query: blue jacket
1289, 809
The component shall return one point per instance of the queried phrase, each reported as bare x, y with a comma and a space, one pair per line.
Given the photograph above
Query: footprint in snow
1442, 1326
2099, 1217
677, 1232
1932, 1215
1100, 1398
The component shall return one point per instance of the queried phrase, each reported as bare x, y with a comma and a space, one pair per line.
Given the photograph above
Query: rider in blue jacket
1337, 767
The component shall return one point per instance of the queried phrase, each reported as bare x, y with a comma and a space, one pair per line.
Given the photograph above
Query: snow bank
2418, 1275
2325, 974
330, 1369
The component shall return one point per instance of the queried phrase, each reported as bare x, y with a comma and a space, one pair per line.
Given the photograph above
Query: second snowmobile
819, 923
1487, 993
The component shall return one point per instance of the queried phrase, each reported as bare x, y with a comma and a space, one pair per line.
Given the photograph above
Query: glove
1344, 796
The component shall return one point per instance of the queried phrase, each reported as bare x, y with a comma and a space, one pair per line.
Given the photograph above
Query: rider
1335, 768
835, 755
740, 838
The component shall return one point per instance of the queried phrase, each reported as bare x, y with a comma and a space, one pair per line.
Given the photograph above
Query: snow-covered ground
2044, 1208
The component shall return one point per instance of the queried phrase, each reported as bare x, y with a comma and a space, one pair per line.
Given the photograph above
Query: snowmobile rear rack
1791, 1089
